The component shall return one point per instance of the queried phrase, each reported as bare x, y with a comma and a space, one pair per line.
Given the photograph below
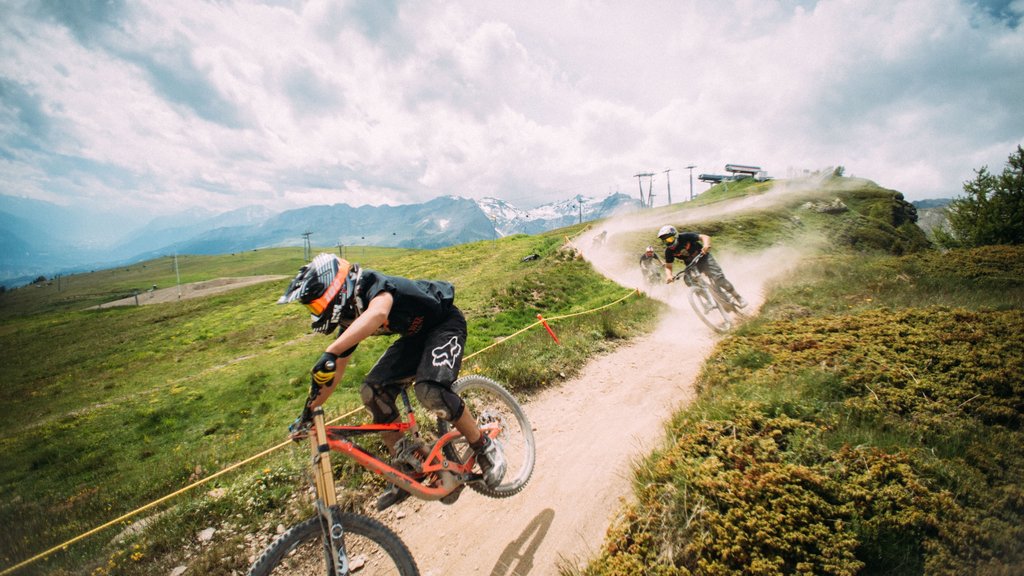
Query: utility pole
669, 182
305, 245
690, 168
579, 200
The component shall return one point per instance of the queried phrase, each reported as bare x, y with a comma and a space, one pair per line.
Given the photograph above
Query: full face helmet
668, 234
325, 286
649, 251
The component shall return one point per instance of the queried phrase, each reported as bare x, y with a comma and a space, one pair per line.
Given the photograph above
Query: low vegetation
869, 422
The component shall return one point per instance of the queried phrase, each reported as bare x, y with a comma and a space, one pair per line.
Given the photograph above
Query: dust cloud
618, 258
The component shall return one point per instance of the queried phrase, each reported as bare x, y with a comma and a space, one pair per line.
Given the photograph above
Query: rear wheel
491, 404
709, 310
372, 548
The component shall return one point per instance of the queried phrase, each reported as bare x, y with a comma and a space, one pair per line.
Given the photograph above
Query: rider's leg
710, 266
440, 400
379, 400
380, 390
438, 369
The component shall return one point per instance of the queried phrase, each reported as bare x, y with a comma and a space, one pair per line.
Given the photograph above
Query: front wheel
491, 404
373, 550
709, 310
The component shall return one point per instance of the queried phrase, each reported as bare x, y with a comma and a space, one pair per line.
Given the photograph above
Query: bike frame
707, 284
439, 478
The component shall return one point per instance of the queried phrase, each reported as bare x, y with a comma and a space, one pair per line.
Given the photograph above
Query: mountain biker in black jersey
687, 246
650, 264
360, 302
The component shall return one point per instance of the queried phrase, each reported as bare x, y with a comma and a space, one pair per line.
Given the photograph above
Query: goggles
669, 240
317, 306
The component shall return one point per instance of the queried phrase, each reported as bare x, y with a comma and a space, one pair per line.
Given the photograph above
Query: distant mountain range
43, 239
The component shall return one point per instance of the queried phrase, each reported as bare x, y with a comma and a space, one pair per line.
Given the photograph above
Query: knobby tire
697, 296
489, 402
373, 550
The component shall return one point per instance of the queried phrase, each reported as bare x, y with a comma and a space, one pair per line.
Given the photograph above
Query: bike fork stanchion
330, 514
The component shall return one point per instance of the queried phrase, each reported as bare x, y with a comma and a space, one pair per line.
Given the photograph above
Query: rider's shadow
517, 558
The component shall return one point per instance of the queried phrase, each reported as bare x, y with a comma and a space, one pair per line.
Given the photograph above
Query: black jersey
417, 304
687, 245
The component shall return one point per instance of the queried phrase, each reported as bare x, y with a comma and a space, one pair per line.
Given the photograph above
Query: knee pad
379, 402
440, 400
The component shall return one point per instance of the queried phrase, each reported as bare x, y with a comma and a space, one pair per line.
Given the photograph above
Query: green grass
106, 409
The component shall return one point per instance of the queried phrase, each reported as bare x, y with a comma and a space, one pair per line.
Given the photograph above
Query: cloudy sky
161, 105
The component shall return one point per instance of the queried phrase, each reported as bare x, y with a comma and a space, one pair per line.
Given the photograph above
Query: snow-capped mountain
509, 219
443, 221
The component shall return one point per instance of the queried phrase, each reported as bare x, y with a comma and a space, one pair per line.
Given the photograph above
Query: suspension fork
327, 498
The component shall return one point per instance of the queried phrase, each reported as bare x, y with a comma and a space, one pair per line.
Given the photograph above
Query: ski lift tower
650, 184
305, 245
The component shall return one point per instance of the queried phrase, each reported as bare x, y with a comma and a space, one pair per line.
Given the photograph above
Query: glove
297, 430
323, 370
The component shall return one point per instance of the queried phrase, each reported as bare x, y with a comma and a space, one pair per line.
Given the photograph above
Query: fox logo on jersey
446, 354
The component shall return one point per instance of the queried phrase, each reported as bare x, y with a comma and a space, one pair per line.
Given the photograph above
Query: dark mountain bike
653, 274
337, 543
713, 306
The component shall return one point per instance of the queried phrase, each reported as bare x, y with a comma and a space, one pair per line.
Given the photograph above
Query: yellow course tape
270, 450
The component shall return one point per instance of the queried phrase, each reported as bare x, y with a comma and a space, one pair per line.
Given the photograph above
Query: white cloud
166, 105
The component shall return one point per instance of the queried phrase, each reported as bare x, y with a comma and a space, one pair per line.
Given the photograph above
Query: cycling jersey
686, 246
417, 304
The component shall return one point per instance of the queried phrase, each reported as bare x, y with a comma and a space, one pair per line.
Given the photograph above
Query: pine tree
992, 212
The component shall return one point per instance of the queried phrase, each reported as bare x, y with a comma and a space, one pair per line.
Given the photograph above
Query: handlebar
689, 266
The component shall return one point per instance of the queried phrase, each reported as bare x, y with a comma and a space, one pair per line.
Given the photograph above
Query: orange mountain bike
338, 543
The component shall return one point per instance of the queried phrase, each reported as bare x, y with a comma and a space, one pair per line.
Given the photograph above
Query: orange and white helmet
325, 286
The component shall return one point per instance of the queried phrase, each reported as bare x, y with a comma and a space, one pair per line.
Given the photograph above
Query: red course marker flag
548, 328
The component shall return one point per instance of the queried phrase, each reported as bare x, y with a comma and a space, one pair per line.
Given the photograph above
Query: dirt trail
187, 291
589, 431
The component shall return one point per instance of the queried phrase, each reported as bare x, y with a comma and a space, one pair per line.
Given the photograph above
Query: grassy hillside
104, 410
107, 409
867, 422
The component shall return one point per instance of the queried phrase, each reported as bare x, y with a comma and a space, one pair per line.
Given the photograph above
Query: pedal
451, 498
392, 496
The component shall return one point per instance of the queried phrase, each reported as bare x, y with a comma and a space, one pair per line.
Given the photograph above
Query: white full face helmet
668, 234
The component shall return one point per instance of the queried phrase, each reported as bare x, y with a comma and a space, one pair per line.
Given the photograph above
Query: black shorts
431, 358
433, 355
